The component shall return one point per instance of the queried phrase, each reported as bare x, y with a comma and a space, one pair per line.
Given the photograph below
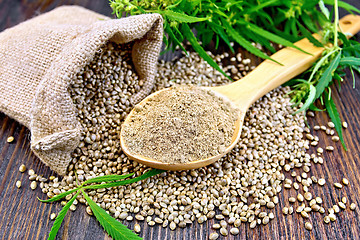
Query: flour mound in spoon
181, 124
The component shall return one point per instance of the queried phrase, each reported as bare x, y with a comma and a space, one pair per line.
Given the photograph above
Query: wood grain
23, 217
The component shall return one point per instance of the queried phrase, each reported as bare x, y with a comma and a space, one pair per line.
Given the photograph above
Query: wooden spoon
265, 77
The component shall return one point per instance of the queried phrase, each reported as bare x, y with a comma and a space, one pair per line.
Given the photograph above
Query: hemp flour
181, 124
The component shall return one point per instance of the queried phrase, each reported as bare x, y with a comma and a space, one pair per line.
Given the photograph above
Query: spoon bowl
264, 78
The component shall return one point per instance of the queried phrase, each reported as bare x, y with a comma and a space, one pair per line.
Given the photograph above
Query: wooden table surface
22, 216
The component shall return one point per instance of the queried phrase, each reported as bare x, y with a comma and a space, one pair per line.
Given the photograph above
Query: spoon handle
269, 75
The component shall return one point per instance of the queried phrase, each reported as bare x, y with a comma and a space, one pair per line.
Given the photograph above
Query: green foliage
113, 227
328, 70
244, 22
265, 22
60, 218
150, 173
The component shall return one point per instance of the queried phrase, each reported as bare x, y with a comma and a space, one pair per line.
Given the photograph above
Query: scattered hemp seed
285, 210
332, 217
291, 210
352, 206
321, 181
342, 205
22, 168
326, 219
89, 211
31, 172
307, 209
336, 208
311, 114
234, 231
300, 197
322, 210
329, 148
308, 226
345, 181
315, 207
137, 228
52, 216
253, 224
33, 185
72, 207
308, 196
344, 200
266, 220
216, 226
18, 184
338, 185
304, 214
319, 200
292, 199
10, 139
224, 232
331, 125
345, 125
213, 236
312, 202
316, 127
335, 138
299, 209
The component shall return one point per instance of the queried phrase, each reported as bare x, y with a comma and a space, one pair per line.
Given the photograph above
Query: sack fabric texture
40, 57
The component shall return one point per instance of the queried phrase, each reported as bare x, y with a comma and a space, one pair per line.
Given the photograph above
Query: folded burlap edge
55, 149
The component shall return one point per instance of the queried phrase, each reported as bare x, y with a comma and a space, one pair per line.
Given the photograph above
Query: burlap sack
39, 57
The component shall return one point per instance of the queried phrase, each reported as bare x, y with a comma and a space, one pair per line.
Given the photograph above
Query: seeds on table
308, 226
342, 205
352, 206
33, 185
18, 184
321, 181
22, 168
332, 217
10, 139
329, 148
251, 170
300, 197
234, 231
338, 185
213, 236
345, 181
137, 228
52, 216
223, 231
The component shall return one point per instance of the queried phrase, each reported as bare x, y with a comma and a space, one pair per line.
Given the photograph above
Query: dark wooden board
22, 216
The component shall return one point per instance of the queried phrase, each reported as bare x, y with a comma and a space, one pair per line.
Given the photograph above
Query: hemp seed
352, 206
33, 185
308, 226
52, 216
137, 228
213, 236
22, 168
